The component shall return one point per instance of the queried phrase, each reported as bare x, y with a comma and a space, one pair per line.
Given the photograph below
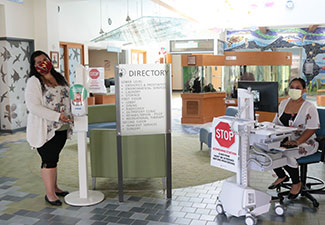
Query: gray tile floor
191, 205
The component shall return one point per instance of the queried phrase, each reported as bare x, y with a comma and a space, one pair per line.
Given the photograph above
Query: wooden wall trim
241, 58
258, 58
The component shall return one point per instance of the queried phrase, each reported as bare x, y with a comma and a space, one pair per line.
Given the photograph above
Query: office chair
314, 185
206, 132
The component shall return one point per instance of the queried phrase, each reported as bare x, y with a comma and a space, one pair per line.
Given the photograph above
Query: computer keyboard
288, 146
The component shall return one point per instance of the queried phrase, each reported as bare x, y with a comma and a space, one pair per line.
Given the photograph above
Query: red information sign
223, 134
94, 73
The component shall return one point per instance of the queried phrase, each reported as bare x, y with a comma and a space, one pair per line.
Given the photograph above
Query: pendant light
128, 19
100, 13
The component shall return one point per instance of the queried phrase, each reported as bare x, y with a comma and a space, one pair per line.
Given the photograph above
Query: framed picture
55, 58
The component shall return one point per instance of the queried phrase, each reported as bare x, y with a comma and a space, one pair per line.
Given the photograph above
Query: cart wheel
279, 210
315, 204
250, 220
219, 209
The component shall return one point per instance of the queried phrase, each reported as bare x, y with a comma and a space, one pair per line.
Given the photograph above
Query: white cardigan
36, 132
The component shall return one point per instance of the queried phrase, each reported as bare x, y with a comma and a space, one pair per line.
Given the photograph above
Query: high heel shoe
62, 194
274, 186
55, 203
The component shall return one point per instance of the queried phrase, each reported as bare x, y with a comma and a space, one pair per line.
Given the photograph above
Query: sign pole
120, 168
168, 132
118, 136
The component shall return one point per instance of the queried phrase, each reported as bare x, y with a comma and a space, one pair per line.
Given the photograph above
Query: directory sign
141, 98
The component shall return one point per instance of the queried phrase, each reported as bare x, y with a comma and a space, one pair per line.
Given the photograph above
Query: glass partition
198, 79
232, 74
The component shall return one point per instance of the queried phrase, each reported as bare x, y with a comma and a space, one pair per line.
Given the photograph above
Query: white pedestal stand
83, 197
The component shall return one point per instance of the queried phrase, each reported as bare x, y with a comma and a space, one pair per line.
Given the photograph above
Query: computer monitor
265, 94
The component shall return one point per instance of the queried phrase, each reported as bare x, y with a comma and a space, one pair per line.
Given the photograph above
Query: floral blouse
306, 118
57, 99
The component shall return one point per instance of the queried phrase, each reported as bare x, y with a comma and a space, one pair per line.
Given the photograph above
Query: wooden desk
104, 99
320, 98
198, 108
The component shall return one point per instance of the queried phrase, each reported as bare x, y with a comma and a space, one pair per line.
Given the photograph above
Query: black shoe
294, 196
274, 186
56, 203
62, 194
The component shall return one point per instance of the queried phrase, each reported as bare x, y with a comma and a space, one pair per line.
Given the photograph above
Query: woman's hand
292, 143
64, 118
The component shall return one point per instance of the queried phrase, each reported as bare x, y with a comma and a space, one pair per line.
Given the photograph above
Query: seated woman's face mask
294, 93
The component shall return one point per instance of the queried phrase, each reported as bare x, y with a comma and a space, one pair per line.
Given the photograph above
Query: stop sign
94, 73
223, 134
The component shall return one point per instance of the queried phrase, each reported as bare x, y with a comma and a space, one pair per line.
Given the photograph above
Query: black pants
293, 172
50, 151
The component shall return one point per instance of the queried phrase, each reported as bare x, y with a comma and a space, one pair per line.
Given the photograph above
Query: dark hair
302, 81
33, 72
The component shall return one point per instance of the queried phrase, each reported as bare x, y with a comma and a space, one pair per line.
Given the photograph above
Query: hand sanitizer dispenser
78, 96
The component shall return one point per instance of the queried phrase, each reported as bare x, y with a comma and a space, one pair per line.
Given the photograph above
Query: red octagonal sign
94, 73
224, 136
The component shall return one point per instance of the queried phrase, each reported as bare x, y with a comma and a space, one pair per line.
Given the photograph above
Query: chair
101, 117
206, 132
315, 185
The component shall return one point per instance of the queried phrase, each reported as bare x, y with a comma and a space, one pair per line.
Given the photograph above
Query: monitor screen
265, 94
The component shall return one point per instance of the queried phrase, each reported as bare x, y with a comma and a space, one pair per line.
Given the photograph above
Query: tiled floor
191, 205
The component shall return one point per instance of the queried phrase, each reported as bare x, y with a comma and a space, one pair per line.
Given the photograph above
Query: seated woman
302, 114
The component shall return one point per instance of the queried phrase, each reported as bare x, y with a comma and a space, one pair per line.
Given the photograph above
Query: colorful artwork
313, 45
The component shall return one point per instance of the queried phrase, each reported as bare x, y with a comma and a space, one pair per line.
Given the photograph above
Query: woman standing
49, 119
302, 114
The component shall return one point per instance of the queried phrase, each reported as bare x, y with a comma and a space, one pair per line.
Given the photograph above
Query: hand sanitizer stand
78, 95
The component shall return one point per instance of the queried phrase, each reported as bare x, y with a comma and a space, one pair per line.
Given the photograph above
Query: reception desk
104, 99
198, 108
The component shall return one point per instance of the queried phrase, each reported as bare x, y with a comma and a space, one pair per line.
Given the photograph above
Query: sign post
143, 98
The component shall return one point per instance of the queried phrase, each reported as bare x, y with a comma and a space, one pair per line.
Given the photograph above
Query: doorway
71, 55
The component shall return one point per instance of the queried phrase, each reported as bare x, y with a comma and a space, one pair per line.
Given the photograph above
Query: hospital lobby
208, 51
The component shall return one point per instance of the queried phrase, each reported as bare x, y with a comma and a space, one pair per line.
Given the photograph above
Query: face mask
304, 95
294, 94
44, 67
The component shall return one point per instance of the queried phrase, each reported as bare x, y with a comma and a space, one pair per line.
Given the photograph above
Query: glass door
71, 55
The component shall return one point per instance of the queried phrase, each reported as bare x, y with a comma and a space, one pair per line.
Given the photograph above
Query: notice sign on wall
96, 80
141, 93
225, 144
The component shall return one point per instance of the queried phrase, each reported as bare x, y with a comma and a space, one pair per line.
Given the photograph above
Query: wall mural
313, 57
14, 70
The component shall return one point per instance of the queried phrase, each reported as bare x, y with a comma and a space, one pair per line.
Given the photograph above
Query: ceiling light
128, 19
